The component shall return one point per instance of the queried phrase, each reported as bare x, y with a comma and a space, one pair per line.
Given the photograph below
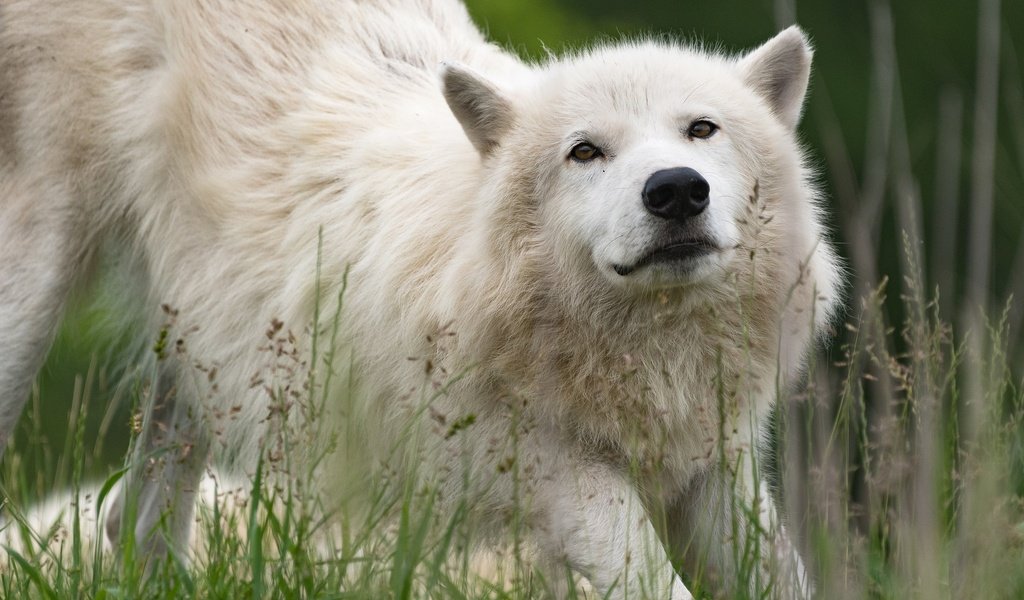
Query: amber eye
702, 129
584, 152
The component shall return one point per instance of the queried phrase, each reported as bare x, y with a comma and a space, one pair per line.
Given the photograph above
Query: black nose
677, 194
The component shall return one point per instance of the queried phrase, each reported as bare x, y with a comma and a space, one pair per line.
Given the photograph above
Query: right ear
778, 71
482, 110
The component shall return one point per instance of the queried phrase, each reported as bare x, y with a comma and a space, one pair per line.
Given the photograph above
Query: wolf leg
729, 534
167, 466
44, 245
592, 518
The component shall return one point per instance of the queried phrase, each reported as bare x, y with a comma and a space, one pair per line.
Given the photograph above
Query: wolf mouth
675, 252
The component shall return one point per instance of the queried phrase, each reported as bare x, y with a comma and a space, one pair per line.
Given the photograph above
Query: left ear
779, 71
481, 108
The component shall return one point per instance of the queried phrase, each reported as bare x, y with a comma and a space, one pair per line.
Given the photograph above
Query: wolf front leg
592, 518
729, 534
170, 457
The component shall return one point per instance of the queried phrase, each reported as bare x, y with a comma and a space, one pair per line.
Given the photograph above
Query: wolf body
614, 259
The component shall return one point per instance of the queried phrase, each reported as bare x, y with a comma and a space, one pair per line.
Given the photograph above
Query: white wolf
613, 261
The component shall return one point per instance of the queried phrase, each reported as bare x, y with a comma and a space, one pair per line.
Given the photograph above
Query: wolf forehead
637, 86
640, 78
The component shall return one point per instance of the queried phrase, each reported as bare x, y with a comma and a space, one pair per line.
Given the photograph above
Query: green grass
901, 459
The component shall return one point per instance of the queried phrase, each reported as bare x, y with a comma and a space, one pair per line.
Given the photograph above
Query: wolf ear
482, 110
778, 71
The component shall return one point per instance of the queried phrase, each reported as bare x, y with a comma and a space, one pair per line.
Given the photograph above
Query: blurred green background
897, 117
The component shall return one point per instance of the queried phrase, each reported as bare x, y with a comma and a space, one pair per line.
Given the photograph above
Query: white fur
46, 529
219, 144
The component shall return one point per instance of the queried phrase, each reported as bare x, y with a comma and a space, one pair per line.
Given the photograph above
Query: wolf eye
584, 152
701, 129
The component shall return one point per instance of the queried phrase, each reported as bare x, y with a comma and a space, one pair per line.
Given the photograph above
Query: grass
901, 459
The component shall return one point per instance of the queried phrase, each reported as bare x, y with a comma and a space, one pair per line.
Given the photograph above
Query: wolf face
643, 157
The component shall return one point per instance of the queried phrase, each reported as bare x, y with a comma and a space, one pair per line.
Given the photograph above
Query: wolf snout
676, 194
